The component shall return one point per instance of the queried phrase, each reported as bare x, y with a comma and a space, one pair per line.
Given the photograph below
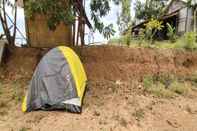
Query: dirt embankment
122, 63
115, 63
112, 102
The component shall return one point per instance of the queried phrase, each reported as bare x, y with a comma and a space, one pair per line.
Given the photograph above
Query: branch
15, 20
6, 28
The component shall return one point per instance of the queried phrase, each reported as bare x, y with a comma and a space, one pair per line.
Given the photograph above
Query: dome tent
58, 82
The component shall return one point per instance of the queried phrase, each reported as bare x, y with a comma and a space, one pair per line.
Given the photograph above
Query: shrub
171, 33
189, 40
152, 27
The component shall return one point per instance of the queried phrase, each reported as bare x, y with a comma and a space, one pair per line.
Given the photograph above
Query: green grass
160, 91
139, 114
148, 81
185, 42
165, 86
24, 129
179, 88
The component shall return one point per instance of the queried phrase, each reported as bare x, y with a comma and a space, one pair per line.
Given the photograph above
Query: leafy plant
141, 36
190, 40
171, 33
56, 13
149, 9
152, 27
124, 18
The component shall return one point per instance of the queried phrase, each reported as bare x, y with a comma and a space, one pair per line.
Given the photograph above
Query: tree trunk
195, 20
3, 19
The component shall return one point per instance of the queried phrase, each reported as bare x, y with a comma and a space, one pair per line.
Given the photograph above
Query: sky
111, 18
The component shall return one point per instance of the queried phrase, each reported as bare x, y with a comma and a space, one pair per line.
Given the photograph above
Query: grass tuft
139, 114
179, 88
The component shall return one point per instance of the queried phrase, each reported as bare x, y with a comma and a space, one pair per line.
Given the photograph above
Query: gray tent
58, 82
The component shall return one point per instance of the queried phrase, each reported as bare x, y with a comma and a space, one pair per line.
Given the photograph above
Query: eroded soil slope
115, 99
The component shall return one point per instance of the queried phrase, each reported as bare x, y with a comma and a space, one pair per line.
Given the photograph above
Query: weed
24, 129
165, 79
148, 81
139, 114
165, 85
192, 78
179, 88
18, 91
188, 41
171, 33
159, 90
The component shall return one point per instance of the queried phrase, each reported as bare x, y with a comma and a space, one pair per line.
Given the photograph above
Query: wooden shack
178, 14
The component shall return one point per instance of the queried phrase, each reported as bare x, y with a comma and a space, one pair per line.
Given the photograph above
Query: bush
188, 41
171, 33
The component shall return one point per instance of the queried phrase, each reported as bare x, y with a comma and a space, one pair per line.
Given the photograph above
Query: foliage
149, 9
152, 27
141, 36
166, 86
148, 81
65, 11
127, 39
159, 90
179, 88
188, 41
124, 19
171, 33
99, 9
56, 11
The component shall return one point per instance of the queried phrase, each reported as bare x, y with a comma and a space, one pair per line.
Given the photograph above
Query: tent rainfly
58, 83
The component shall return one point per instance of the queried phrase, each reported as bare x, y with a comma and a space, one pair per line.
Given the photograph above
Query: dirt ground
115, 99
